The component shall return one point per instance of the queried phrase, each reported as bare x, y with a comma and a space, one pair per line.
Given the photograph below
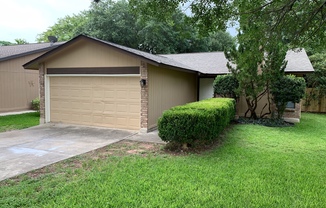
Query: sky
25, 19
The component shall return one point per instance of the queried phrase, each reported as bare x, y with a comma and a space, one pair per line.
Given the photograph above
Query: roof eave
33, 64
299, 72
178, 68
28, 53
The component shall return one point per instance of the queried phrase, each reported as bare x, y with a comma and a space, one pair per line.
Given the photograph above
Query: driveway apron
33, 148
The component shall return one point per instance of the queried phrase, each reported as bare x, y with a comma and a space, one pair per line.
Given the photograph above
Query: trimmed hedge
197, 121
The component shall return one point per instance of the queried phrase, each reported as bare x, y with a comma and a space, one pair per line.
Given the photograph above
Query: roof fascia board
67, 44
178, 68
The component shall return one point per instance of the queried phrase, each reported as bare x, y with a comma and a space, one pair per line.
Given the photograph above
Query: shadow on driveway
29, 149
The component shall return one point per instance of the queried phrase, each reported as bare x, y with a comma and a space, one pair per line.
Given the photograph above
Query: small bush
287, 89
226, 86
197, 121
36, 104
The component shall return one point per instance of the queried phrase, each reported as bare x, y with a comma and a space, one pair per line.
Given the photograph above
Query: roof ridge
29, 44
174, 54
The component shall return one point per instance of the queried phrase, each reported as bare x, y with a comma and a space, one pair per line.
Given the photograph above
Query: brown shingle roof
15, 51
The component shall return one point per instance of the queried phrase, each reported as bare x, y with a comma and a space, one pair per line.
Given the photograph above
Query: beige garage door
112, 102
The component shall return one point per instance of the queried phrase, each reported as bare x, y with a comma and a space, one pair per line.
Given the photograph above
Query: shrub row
197, 121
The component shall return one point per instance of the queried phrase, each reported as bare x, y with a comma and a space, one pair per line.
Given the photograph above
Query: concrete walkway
25, 150
146, 137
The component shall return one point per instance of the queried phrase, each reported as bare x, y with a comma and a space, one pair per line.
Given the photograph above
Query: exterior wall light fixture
142, 82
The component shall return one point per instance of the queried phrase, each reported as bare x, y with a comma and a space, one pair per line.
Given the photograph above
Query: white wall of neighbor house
206, 89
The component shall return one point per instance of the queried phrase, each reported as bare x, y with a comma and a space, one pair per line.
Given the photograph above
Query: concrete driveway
29, 149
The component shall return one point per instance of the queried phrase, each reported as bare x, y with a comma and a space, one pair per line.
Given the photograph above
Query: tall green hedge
203, 120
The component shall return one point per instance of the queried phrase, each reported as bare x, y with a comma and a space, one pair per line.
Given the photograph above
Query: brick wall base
42, 93
144, 98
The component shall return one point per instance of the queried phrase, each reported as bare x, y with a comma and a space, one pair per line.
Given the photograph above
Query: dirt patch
85, 161
124, 148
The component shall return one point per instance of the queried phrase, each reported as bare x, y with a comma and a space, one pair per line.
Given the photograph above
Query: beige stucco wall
242, 106
168, 88
90, 54
18, 87
261, 109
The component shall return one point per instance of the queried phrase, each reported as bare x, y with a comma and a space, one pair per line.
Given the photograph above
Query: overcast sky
26, 18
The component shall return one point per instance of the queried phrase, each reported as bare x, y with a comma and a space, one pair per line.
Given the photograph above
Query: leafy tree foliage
65, 29
257, 62
5, 43
118, 22
112, 21
297, 21
287, 89
20, 41
226, 86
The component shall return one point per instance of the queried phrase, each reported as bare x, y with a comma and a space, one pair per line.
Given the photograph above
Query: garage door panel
100, 101
109, 94
98, 93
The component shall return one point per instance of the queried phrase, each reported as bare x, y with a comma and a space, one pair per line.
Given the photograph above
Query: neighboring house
93, 82
18, 87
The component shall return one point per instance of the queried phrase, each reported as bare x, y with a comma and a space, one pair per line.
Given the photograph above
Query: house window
290, 105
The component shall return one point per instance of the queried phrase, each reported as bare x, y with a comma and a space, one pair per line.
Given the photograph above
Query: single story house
18, 87
88, 81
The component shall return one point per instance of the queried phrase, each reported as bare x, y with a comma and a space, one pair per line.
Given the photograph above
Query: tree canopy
65, 29
20, 41
296, 21
5, 43
118, 22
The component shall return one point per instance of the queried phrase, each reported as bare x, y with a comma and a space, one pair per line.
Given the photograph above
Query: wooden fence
316, 106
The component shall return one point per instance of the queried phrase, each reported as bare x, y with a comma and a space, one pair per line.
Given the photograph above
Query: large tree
258, 60
297, 21
66, 27
118, 22
5, 43
20, 41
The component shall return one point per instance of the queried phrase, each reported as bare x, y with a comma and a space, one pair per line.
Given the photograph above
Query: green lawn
256, 166
20, 121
